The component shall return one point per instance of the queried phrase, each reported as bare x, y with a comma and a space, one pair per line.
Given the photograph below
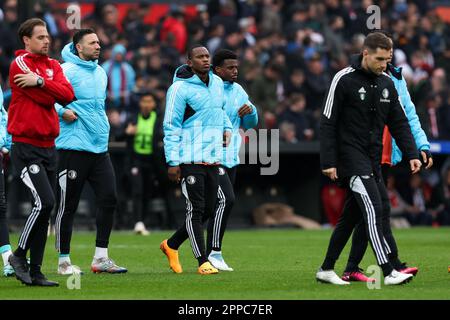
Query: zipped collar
356, 63
228, 85
395, 71
185, 73
68, 55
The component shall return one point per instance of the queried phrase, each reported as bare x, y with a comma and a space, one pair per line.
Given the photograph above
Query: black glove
428, 154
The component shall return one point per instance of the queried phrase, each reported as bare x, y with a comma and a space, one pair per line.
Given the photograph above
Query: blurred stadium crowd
289, 51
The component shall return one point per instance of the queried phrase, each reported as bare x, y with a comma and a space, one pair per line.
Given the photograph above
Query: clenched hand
28, 79
331, 173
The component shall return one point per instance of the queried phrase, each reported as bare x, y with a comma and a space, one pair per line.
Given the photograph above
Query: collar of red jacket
31, 55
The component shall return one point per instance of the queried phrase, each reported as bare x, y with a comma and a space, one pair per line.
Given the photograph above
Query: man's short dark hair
191, 48
383, 31
377, 40
221, 55
26, 28
79, 35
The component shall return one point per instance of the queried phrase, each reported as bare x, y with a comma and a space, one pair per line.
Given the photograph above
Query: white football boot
329, 276
397, 278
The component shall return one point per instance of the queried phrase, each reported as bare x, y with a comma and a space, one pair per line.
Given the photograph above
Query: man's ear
26, 40
365, 52
189, 62
78, 47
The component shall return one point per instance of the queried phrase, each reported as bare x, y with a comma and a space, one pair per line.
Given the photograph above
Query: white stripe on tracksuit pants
37, 169
200, 199
62, 181
189, 228
367, 196
217, 221
25, 176
199, 186
224, 205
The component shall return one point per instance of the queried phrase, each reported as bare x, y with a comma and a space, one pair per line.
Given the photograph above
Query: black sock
387, 269
201, 260
35, 269
328, 264
104, 222
396, 263
172, 244
177, 239
19, 252
351, 267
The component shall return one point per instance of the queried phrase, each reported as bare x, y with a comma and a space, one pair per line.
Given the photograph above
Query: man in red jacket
37, 82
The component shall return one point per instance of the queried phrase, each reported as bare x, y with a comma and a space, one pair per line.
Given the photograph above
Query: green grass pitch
269, 264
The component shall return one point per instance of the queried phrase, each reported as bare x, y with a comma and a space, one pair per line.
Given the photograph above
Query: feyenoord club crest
190, 179
34, 169
362, 93
49, 73
72, 174
221, 171
385, 94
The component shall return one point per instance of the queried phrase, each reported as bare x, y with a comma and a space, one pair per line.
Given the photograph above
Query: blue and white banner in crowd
440, 147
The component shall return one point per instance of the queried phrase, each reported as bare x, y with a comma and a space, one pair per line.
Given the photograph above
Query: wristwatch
40, 82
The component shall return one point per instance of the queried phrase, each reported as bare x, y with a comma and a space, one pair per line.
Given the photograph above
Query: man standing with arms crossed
37, 82
360, 102
83, 152
195, 129
241, 113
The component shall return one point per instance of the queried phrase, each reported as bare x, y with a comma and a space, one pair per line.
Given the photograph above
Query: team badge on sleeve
190, 179
72, 174
49, 73
34, 169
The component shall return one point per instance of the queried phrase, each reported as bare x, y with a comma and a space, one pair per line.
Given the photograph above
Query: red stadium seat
333, 199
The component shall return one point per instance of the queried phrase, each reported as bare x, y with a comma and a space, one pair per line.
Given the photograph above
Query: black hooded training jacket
357, 107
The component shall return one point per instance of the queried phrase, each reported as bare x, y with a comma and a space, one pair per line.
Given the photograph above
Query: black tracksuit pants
36, 167
199, 184
360, 241
224, 205
364, 201
4, 233
142, 179
74, 169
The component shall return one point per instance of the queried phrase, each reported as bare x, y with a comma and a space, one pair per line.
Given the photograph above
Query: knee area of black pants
199, 218
2, 207
44, 217
386, 210
378, 209
227, 196
137, 192
229, 202
47, 204
107, 201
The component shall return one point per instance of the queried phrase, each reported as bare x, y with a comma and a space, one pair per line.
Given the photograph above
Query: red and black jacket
32, 118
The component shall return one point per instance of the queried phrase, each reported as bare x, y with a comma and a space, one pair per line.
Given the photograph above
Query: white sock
101, 253
64, 259
5, 256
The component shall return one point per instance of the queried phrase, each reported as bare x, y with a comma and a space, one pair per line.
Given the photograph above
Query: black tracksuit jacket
357, 107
